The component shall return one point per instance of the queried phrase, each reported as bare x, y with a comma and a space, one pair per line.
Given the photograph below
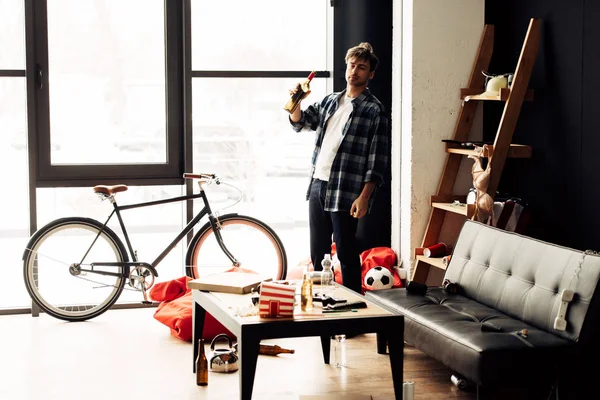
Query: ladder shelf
448, 210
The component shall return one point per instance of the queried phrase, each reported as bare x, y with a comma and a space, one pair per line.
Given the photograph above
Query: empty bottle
339, 351
326, 276
201, 365
306, 292
273, 350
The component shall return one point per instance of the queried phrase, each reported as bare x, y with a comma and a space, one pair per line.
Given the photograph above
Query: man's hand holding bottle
297, 94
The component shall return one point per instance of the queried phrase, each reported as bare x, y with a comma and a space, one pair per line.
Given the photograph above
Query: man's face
358, 72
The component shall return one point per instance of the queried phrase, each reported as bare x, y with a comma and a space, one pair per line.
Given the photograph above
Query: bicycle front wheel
51, 265
252, 242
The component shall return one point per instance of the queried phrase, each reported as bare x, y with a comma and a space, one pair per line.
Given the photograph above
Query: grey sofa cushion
523, 277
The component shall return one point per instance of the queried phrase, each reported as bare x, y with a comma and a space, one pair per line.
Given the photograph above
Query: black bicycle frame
187, 229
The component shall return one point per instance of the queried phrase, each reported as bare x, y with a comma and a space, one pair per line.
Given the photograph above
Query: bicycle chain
87, 279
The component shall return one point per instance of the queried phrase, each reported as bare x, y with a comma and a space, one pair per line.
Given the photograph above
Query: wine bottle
302, 90
273, 350
201, 365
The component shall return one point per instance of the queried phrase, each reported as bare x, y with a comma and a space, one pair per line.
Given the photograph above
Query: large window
108, 92
106, 82
240, 35
243, 65
14, 229
114, 91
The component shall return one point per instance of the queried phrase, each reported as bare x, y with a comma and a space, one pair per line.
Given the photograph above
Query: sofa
493, 322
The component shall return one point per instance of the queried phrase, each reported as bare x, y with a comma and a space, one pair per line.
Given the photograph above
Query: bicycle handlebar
188, 175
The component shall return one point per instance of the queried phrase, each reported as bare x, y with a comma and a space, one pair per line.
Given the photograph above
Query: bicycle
76, 268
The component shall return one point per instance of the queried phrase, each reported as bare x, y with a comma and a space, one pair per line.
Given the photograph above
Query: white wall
435, 44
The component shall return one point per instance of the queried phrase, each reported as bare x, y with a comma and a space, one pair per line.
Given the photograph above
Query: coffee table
250, 330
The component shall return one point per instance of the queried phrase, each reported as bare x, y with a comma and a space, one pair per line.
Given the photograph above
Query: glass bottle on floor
201, 365
339, 351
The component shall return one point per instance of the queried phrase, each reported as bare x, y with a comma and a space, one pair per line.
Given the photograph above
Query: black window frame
47, 175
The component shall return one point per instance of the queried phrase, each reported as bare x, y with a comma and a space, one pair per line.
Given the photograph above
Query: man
348, 164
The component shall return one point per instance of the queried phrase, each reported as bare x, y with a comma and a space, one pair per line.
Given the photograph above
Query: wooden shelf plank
447, 198
468, 94
461, 208
514, 151
437, 262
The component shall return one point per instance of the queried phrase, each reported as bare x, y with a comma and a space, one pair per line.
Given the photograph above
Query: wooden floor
126, 354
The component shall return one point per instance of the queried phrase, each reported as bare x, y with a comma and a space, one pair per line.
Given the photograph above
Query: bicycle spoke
251, 242
51, 269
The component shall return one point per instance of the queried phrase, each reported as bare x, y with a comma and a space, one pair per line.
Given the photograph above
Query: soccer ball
379, 278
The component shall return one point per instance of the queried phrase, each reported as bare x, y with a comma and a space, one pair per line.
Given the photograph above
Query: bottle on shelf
302, 90
201, 365
306, 292
327, 285
273, 350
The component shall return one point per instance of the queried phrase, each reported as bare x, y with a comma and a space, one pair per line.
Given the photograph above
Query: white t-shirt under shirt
333, 138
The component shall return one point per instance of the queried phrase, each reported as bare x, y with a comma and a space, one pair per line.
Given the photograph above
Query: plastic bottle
326, 276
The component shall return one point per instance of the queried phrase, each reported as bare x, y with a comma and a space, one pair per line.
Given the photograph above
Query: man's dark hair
363, 51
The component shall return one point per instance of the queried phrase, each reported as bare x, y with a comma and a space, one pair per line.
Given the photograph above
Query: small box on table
276, 300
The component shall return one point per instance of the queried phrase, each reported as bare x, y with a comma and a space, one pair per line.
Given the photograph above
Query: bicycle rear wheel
50, 268
252, 242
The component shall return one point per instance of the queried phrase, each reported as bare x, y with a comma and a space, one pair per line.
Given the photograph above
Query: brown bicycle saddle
109, 190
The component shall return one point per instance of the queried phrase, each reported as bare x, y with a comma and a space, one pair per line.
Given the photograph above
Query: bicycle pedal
146, 302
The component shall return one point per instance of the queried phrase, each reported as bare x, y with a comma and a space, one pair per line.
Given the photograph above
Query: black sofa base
476, 341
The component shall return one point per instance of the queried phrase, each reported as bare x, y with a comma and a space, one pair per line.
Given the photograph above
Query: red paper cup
437, 250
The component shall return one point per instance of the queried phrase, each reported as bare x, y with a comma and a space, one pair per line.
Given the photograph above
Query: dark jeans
343, 227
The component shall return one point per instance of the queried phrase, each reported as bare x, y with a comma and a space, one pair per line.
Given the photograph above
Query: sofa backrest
523, 277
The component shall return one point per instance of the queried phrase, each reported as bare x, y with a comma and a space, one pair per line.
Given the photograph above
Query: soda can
408, 390
459, 382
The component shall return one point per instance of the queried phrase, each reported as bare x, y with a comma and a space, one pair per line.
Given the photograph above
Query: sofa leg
381, 343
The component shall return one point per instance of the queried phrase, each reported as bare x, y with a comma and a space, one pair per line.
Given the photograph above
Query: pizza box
228, 282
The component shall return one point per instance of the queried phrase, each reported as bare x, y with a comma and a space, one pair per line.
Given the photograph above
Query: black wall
357, 21
562, 124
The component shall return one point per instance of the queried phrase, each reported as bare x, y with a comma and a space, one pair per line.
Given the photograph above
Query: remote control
346, 305
327, 300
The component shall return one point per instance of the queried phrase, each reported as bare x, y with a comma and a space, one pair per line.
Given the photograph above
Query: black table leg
326, 346
381, 343
198, 316
248, 352
395, 339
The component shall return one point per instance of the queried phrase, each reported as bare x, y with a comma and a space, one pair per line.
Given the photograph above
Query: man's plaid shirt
363, 155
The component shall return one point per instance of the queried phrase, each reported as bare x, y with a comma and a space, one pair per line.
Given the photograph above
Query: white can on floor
408, 390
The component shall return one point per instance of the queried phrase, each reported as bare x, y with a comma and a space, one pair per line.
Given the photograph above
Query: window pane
107, 81
12, 34
243, 135
150, 229
259, 35
14, 229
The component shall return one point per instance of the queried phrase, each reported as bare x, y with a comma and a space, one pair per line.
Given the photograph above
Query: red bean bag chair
379, 256
175, 310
